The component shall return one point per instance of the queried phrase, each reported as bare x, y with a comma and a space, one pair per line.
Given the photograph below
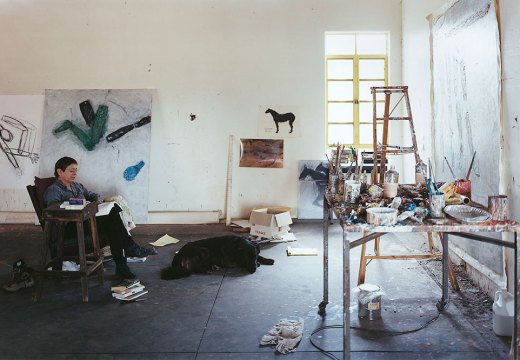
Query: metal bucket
369, 302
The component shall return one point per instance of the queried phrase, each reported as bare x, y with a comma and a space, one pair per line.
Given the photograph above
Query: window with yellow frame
355, 62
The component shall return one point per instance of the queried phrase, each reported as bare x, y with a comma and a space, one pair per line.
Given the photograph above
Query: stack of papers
128, 290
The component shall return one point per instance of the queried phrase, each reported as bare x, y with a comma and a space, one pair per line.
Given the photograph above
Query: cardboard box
270, 222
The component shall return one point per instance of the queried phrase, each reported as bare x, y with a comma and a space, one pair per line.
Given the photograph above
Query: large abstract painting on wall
108, 133
466, 89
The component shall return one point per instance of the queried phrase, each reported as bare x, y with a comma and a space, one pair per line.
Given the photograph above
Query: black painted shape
123, 130
88, 112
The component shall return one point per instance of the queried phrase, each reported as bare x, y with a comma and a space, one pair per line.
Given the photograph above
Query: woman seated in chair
110, 226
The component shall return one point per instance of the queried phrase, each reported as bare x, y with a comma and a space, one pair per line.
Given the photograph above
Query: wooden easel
383, 149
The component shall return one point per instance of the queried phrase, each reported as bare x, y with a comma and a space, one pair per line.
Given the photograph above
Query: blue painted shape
132, 171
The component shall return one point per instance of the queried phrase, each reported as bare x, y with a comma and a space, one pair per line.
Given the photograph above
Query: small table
373, 231
87, 264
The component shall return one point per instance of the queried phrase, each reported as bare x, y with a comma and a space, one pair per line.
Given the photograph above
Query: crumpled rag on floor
286, 335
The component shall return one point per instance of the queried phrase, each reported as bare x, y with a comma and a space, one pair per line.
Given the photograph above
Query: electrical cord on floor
382, 333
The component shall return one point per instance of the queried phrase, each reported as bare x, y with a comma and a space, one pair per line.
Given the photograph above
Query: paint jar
369, 302
463, 187
391, 183
503, 313
437, 205
498, 207
352, 191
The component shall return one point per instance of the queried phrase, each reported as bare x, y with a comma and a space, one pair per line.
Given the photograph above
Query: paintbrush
449, 167
470, 166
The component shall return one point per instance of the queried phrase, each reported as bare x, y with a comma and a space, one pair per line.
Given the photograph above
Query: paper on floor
165, 240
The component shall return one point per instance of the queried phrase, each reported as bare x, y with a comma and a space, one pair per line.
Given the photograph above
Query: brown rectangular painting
262, 153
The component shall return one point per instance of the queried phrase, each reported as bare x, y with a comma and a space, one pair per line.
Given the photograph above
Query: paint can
463, 187
369, 302
498, 207
437, 205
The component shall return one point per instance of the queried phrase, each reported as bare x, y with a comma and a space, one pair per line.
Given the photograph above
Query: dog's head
248, 253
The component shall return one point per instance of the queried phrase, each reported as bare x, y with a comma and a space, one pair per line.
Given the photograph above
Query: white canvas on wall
466, 106
108, 133
466, 87
20, 138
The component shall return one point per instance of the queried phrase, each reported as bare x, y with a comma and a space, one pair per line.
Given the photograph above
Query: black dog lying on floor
204, 255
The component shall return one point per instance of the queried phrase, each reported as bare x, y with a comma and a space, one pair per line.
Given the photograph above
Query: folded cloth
286, 335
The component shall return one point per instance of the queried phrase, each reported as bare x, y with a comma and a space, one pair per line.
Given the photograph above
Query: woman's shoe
135, 250
124, 272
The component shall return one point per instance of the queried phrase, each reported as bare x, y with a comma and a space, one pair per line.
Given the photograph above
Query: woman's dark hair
63, 163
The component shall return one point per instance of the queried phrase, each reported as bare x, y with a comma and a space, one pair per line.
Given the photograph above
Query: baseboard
184, 217
155, 217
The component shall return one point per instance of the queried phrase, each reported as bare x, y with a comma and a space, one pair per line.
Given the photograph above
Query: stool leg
376, 245
362, 263
82, 260
98, 255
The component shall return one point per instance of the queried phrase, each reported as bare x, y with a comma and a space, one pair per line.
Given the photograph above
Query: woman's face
69, 174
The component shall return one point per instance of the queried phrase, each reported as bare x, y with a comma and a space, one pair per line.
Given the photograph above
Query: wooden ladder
384, 148
380, 152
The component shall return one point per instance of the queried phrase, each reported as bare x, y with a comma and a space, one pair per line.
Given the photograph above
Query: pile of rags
286, 335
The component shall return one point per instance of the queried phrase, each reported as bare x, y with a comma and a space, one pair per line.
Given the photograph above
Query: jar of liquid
391, 183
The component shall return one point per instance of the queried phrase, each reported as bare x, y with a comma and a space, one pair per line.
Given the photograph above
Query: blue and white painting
107, 132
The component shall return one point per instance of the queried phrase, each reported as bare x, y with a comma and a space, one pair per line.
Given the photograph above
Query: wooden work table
370, 232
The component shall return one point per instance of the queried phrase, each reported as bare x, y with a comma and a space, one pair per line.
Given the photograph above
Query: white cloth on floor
286, 335
126, 214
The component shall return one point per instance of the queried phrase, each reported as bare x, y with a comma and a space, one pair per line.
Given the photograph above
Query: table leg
326, 220
443, 303
346, 297
516, 339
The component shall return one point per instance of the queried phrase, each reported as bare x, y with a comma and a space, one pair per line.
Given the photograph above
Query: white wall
416, 70
218, 59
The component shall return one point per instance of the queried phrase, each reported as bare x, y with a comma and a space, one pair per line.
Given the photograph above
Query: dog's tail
170, 273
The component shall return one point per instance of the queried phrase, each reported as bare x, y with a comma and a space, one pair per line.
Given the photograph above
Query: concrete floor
223, 315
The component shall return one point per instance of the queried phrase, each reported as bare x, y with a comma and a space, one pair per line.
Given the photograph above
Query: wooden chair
68, 248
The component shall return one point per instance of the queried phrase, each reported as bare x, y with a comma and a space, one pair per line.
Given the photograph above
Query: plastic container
391, 183
503, 313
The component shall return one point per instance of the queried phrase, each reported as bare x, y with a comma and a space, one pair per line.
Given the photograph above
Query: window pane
343, 112
339, 44
342, 134
366, 133
366, 111
340, 69
372, 69
340, 90
371, 44
364, 90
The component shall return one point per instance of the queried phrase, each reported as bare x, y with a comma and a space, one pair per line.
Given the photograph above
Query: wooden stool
430, 255
87, 264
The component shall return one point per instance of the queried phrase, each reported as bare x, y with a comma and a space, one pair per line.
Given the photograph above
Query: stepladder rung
394, 118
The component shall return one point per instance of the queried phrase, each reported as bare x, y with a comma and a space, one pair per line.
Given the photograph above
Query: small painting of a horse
278, 118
